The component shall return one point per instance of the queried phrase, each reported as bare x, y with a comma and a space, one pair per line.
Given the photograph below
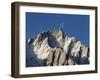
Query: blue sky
73, 25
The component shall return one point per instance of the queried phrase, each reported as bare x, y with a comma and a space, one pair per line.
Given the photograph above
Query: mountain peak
54, 43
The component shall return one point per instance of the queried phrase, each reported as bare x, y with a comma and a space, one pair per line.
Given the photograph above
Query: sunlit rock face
53, 48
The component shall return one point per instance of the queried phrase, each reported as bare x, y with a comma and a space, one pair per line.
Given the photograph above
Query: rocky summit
54, 48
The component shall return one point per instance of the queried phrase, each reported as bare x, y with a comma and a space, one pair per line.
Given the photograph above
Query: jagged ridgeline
53, 48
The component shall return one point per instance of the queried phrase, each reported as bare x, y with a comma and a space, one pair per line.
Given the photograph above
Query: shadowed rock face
53, 48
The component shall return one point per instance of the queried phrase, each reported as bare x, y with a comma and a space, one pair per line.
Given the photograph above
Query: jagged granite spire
58, 49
